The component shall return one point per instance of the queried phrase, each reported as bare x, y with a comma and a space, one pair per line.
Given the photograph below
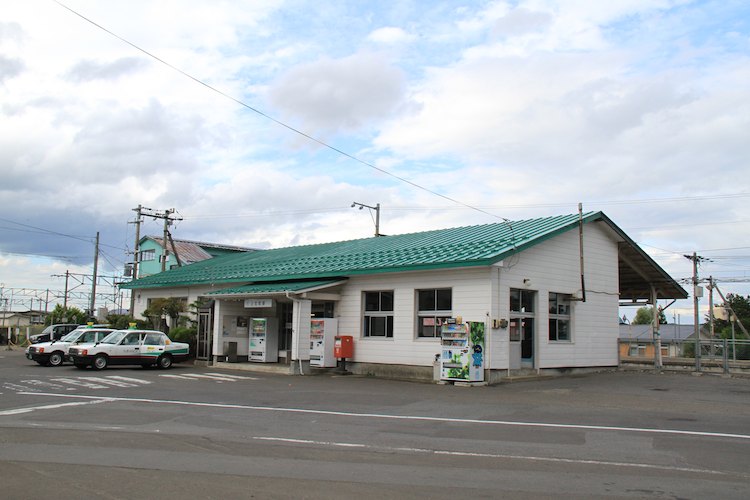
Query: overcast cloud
638, 108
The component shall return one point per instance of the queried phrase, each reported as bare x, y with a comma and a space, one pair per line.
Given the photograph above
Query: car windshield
114, 337
72, 336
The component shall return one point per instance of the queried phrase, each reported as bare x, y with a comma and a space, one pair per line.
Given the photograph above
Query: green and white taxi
130, 347
55, 352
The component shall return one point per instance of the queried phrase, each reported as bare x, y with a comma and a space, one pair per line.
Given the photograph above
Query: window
434, 307
521, 300
147, 255
378, 321
154, 339
559, 317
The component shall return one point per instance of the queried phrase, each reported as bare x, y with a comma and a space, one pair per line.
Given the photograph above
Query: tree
170, 306
645, 316
741, 307
68, 314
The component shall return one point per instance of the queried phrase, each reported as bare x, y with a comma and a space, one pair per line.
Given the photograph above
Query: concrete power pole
93, 280
135, 254
165, 245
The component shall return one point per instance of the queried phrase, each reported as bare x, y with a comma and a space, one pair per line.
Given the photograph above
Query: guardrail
725, 355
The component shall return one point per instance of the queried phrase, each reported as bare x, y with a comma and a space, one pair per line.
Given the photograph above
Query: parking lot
213, 432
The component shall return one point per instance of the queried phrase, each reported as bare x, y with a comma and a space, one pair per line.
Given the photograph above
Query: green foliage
123, 321
170, 306
741, 307
645, 316
70, 314
188, 335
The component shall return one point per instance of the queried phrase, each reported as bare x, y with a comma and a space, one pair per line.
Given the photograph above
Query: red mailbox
343, 346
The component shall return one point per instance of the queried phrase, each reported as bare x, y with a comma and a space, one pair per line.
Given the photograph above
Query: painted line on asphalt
508, 423
490, 455
18, 411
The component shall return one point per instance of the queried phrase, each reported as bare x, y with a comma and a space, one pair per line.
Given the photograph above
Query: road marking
128, 379
238, 377
107, 380
508, 423
81, 382
491, 455
218, 377
18, 411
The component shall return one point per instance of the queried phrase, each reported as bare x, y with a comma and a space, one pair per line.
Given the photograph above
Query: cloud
344, 94
9, 68
92, 70
521, 21
389, 35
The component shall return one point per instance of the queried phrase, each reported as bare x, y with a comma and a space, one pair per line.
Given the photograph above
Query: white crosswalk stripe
80, 382
129, 379
218, 377
110, 381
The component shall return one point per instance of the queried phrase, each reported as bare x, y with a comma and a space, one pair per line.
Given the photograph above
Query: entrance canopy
275, 288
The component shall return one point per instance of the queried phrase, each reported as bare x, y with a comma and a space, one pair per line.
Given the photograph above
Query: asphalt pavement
199, 432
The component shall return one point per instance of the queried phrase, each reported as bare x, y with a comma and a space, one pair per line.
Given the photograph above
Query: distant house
180, 253
18, 321
391, 294
638, 340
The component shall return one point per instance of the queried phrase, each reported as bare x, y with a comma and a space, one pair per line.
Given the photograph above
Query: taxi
130, 347
55, 352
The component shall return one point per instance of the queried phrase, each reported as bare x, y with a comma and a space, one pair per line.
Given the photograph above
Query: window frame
371, 315
148, 255
438, 316
557, 318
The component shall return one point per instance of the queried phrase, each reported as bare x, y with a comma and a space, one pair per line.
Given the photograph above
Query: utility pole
696, 319
165, 245
93, 281
65, 299
135, 253
377, 214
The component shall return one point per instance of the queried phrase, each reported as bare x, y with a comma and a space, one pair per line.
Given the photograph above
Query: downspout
295, 327
582, 298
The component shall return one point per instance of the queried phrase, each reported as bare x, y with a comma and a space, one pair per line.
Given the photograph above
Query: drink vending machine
264, 340
462, 356
322, 334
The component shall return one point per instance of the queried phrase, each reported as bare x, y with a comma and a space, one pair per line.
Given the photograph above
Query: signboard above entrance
258, 303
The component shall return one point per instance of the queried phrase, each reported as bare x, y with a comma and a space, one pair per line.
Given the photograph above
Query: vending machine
322, 334
264, 340
462, 356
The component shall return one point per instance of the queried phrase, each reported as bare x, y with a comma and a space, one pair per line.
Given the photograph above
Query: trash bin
231, 352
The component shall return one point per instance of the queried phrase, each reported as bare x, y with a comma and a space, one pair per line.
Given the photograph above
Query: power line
276, 121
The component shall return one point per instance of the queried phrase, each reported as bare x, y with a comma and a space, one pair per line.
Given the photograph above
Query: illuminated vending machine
264, 340
322, 335
462, 356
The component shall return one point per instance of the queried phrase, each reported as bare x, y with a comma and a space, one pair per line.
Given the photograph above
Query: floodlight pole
377, 214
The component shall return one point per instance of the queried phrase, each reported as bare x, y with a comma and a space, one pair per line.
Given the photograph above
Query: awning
275, 288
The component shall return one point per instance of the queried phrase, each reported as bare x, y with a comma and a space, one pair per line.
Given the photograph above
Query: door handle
136, 348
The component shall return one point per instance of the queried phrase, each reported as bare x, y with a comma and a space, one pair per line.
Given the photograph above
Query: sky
261, 122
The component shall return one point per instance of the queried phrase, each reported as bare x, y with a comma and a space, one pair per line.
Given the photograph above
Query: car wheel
164, 361
80, 366
55, 359
100, 362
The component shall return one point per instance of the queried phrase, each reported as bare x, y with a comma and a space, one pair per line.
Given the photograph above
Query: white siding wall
553, 266
471, 299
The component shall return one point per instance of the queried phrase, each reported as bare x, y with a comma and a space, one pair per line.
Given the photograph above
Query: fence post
726, 357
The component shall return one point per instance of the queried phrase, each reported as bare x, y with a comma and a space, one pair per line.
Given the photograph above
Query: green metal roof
282, 287
445, 248
480, 245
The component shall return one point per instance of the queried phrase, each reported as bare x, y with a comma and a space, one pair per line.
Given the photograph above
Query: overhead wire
277, 121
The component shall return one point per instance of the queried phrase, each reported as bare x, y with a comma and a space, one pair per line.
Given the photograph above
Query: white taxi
130, 347
55, 352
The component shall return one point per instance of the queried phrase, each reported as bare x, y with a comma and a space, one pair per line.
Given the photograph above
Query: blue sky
522, 109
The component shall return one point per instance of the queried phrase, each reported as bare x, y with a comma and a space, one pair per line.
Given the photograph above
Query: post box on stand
343, 347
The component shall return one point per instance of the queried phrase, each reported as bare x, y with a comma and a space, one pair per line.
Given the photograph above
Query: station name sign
258, 303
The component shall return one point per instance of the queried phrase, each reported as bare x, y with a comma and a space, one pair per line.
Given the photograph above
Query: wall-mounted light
527, 282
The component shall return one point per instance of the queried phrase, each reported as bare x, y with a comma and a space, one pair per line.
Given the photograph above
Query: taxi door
128, 350
153, 347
